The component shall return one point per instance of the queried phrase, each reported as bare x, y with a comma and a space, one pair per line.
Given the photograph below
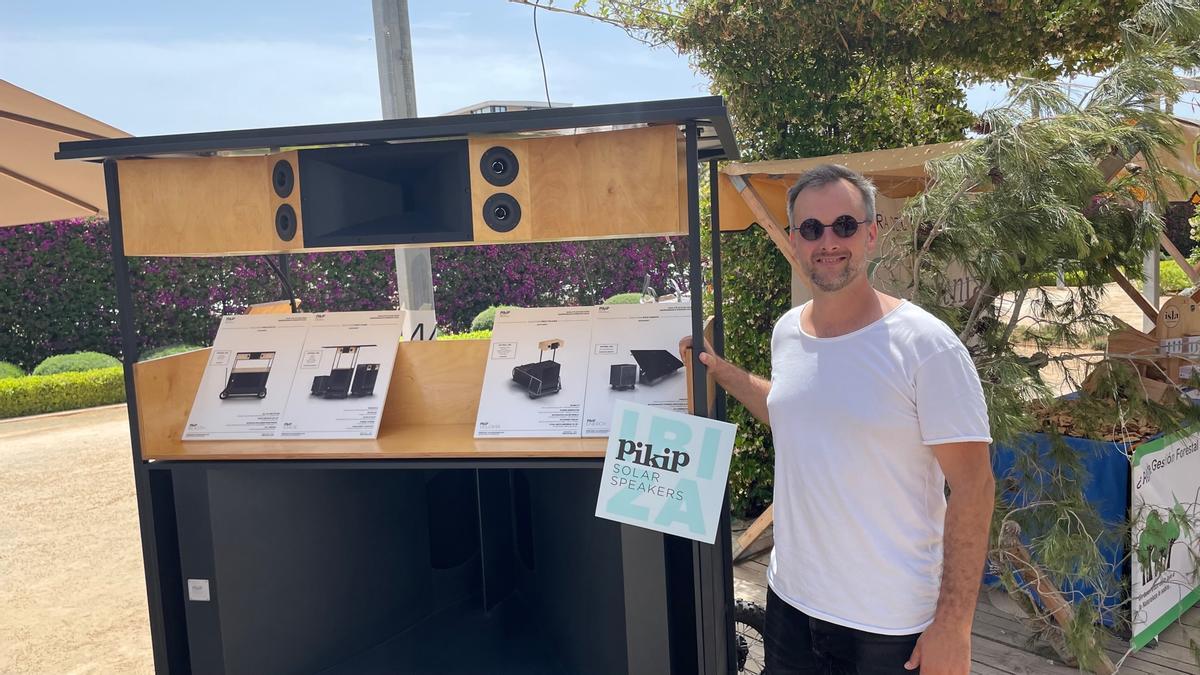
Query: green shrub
9, 370
1171, 279
167, 351
485, 319
624, 299
39, 394
1071, 278
472, 335
75, 363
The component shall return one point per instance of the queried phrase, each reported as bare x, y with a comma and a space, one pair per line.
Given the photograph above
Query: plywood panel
200, 206
607, 184
430, 413
481, 189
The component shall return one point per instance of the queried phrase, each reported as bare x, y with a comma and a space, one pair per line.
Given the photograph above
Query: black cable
287, 287
545, 80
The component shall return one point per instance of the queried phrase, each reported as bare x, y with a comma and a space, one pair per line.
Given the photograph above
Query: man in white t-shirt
874, 406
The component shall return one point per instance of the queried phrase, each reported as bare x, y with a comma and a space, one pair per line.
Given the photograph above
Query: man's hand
942, 650
708, 357
751, 390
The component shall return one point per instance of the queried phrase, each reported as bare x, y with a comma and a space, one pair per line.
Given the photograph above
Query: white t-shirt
859, 496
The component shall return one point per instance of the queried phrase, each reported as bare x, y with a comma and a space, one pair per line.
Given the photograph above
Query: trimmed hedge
624, 299
472, 335
39, 394
167, 351
75, 363
485, 319
9, 370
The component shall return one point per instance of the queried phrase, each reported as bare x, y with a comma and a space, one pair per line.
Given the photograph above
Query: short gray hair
826, 174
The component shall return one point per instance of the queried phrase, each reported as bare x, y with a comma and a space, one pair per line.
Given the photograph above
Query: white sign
635, 357
534, 382
1165, 491
666, 471
294, 376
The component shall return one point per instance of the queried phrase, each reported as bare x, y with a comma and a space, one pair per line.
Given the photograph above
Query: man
874, 406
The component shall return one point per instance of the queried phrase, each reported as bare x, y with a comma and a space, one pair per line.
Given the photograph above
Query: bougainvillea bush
60, 294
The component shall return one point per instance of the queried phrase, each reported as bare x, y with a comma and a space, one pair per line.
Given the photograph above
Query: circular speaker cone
501, 212
283, 178
285, 222
499, 166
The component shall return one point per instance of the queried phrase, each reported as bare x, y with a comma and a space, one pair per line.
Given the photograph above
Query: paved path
72, 592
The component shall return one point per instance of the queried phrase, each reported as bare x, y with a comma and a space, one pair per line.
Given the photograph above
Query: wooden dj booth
424, 550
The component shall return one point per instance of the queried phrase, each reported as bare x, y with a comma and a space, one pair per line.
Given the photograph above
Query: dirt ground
72, 592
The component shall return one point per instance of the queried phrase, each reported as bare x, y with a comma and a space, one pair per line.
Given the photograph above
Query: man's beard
838, 281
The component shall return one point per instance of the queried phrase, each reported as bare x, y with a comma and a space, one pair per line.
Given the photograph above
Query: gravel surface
72, 590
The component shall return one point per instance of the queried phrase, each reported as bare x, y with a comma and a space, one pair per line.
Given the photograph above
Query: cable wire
545, 80
287, 287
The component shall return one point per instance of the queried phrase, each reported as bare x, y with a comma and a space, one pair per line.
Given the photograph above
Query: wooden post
1150, 311
1184, 265
759, 208
753, 532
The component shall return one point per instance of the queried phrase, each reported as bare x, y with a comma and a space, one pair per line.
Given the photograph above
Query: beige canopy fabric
33, 187
898, 173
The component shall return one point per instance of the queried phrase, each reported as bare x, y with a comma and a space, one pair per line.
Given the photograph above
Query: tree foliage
786, 100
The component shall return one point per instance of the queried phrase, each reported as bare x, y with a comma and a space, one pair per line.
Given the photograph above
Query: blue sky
171, 67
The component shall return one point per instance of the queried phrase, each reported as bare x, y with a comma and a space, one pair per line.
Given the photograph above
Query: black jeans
797, 644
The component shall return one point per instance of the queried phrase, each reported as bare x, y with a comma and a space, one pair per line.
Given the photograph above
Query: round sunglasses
844, 226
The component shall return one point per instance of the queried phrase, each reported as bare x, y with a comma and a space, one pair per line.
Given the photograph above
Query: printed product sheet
343, 375
635, 358
534, 382
294, 376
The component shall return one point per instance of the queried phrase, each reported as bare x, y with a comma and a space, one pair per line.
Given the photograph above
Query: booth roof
33, 187
716, 135
900, 172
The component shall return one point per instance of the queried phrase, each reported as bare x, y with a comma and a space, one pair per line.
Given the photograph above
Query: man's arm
750, 389
945, 647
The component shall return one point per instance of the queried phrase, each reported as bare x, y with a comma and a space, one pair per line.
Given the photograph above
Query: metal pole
141, 479
393, 51
398, 93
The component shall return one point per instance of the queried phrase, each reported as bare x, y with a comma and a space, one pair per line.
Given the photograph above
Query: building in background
504, 106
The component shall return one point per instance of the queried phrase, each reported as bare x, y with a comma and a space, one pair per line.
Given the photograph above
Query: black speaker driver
285, 222
499, 166
501, 212
283, 178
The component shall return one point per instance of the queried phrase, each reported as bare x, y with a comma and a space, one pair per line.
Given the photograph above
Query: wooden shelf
430, 413
432, 441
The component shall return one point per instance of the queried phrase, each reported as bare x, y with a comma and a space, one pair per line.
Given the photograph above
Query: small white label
504, 350
198, 590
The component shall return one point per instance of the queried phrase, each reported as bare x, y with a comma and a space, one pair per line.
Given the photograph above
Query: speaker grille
501, 212
283, 178
499, 166
285, 222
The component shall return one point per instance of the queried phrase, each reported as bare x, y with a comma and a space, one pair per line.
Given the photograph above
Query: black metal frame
708, 112
710, 649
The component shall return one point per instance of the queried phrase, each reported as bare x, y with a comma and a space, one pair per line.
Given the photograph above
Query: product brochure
343, 375
635, 358
536, 373
296, 376
558, 371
